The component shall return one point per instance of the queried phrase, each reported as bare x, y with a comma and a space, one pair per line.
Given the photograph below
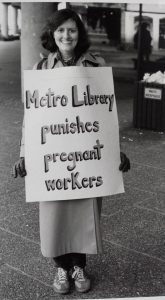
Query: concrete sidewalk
133, 224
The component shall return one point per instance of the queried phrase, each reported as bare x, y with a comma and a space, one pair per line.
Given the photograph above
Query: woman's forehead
68, 23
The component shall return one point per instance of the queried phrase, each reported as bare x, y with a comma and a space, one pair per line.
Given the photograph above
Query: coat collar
86, 57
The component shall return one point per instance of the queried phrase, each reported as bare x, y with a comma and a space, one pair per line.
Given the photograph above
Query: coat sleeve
41, 65
101, 61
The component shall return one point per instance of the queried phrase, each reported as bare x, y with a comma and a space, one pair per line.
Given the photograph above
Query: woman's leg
78, 259
82, 282
61, 282
63, 261
76, 262
70, 260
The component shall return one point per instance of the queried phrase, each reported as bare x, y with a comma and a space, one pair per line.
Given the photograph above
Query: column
63, 5
19, 14
33, 19
155, 36
33, 16
14, 15
4, 20
129, 27
123, 17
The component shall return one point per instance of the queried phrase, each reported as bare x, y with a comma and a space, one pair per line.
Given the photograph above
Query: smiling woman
69, 229
66, 38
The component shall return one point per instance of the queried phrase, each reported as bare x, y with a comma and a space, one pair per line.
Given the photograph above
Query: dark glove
19, 168
125, 163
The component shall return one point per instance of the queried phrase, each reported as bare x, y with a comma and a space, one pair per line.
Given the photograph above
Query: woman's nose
66, 33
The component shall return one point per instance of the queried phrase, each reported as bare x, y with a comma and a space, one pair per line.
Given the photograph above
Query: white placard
153, 93
71, 134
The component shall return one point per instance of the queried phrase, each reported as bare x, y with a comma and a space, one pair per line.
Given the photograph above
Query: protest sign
71, 134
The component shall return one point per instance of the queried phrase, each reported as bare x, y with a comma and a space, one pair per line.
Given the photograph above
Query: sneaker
61, 282
82, 282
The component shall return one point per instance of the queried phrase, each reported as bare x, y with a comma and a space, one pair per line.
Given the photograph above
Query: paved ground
133, 224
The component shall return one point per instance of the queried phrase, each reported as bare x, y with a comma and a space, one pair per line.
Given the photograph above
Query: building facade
153, 14
113, 23
118, 22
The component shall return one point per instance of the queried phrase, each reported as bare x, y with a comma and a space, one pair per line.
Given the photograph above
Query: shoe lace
78, 274
62, 274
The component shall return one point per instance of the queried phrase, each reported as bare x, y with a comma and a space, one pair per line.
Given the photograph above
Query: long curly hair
56, 20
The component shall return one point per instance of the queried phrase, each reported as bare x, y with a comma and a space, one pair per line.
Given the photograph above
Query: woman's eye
72, 30
60, 30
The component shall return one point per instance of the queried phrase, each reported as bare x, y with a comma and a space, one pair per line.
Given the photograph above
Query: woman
68, 229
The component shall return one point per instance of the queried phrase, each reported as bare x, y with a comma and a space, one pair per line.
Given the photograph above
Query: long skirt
70, 226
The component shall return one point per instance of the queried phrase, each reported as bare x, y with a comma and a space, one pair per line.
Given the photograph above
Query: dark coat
145, 41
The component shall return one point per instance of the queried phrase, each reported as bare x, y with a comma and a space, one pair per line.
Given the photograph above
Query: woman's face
66, 37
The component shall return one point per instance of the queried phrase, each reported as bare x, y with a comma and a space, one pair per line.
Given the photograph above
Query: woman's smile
66, 38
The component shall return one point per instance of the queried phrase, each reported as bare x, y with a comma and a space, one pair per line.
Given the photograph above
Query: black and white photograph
82, 143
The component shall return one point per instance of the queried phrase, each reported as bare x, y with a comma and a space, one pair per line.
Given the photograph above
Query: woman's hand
125, 163
19, 168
